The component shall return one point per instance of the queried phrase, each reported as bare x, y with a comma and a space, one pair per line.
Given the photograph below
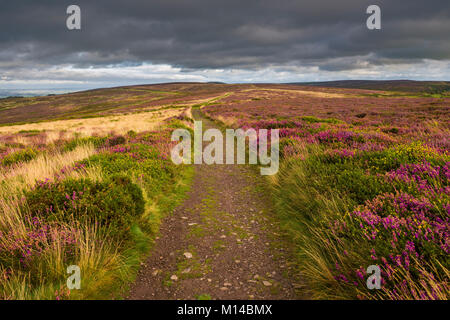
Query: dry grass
99, 259
228, 121
42, 272
67, 129
208, 100
188, 113
305, 93
24, 175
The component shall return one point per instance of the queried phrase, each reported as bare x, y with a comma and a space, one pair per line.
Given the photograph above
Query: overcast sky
130, 42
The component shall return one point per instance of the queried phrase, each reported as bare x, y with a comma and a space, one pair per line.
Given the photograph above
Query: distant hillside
98, 102
139, 98
430, 87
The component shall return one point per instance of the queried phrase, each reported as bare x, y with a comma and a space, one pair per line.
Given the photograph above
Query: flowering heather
77, 167
24, 249
422, 178
159, 141
392, 169
329, 136
364, 180
340, 153
12, 157
276, 124
76, 202
394, 217
411, 117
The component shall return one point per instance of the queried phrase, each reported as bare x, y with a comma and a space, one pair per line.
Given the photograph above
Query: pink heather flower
360, 274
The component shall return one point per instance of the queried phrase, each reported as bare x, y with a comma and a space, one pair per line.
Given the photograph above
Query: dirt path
221, 243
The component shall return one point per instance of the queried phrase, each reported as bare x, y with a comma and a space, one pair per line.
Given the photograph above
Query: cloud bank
127, 42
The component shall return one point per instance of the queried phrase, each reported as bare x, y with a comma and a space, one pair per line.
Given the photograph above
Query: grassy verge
386, 208
354, 197
96, 208
144, 239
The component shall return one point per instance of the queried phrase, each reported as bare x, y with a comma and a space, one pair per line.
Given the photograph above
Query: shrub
25, 249
114, 203
421, 179
132, 134
347, 178
30, 133
339, 137
175, 123
72, 144
111, 163
115, 140
405, 234
394, 130
138, 161
358, 185
312, 119
407, 237
183, 117
19, 156
394, 157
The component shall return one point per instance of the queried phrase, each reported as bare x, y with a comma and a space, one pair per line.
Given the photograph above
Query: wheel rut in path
221, 243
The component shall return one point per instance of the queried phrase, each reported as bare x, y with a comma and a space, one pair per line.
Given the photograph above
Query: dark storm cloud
199, 34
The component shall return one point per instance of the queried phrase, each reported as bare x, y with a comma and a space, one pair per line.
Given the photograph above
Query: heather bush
34, 257
275, 124
39, 239
404, 235
422, 179
370, 193
342, 175
415, 152
97, 142
182, 118
24, 155
176, 122
139, 161
114, 203
343, 219
98, 213
286, 146
132, 134
312, 119
111, 163
115, 140
30, 132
